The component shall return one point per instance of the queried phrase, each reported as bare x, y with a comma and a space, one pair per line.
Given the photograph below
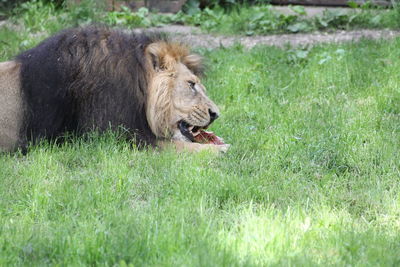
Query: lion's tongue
208, 138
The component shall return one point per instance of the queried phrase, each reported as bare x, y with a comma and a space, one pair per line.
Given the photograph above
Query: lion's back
83, 79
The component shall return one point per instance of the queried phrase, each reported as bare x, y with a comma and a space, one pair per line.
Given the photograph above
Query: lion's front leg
181, 146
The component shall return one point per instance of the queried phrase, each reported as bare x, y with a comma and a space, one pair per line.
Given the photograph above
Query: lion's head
177, 104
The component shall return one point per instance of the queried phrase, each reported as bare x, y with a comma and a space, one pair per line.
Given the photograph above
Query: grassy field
312, 178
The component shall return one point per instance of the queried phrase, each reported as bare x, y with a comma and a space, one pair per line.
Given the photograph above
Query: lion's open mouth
198, 134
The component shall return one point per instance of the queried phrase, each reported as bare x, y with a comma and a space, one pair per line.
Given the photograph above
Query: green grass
312, 177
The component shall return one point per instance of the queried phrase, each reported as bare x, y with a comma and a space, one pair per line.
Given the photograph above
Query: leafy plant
298, 55
86, 11
335, 18
192, 7
35, 15
128, 18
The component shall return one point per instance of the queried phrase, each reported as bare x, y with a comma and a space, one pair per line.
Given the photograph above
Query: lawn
312, 177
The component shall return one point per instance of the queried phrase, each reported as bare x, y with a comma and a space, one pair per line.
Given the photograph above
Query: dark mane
85, 79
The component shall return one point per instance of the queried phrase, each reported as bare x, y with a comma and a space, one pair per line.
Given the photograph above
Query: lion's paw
223, 148
181, 146
217, 149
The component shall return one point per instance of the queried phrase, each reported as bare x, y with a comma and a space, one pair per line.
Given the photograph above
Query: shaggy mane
94, 76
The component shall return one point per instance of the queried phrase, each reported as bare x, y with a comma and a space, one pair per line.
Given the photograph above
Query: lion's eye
192, 85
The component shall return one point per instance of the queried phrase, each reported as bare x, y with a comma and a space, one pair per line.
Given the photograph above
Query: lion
97, 78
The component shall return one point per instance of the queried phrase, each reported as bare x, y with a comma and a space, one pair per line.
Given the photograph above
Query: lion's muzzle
213, 115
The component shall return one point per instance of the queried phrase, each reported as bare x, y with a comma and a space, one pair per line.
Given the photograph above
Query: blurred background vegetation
244, 17
172, 5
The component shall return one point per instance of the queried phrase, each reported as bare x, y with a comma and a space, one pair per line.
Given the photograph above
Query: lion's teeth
191, 128
196, 133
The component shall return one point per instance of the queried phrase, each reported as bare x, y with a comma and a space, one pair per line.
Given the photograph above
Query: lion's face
191, 109
178, 106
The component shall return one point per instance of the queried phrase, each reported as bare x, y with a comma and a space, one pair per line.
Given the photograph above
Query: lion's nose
213, 115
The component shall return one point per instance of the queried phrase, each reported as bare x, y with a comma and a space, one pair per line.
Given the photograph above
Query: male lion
96, 78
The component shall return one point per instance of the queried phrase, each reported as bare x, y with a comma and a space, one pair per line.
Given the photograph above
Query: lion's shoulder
86, 78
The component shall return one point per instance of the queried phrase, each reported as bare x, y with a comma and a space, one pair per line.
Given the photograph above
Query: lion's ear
194, 63
155, 62
159, 57
153, 52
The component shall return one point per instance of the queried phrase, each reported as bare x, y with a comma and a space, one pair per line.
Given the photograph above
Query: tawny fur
11, 107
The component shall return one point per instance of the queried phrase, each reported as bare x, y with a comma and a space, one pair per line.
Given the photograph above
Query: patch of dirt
193, 37
312, 11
